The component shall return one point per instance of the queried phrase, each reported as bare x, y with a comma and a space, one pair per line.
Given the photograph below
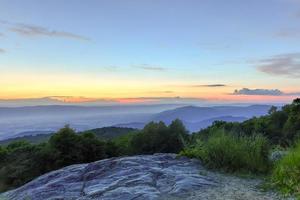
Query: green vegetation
231, 147
158, 138
231, 153
103, 133
21, 161
245, 147
286, 173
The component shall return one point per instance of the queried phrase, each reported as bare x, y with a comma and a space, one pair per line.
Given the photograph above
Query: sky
132, 51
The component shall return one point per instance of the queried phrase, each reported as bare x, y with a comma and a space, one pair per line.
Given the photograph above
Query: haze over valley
32, 120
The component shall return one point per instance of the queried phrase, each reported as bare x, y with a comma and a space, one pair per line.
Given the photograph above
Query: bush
70, 148
159, 138
232, 153
286, 173
3, 154
123, 144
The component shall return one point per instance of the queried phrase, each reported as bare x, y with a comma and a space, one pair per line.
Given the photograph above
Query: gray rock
277, 155
137, 177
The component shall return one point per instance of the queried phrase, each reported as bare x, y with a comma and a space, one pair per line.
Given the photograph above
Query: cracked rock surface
155, 176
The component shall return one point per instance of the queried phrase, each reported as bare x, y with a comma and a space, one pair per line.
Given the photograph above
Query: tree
272, 110
159, 138
90, 148
3, 154
178, 136
64, 145
296, 102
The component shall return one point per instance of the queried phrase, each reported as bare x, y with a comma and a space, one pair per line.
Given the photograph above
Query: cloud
161, 92
2, 50
1, 35
162, 100
263, 92
210, 85
150, 67
72, 100
28, 30
297, 14
247, 91
213, 46
281, 65
288, 33
111, 68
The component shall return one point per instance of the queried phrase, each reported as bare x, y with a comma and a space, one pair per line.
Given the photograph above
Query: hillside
196, 114
104, 133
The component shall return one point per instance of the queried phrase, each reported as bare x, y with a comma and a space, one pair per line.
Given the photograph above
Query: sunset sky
150, 50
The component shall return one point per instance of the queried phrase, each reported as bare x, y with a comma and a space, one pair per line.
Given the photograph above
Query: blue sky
111, 46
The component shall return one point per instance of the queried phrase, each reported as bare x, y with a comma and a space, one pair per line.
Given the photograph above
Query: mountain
191, 126
104, 133
196, 126
110, 132
16, 120
196, 114
137, 125
45, 119
196, 118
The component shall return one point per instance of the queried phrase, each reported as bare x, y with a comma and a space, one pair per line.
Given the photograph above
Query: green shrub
159, 138
123, 144
232, 153
286, 173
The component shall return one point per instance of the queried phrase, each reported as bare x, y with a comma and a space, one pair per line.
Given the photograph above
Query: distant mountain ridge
196, 118
44, 119
16, 120
191, 126
104, 133
194, 113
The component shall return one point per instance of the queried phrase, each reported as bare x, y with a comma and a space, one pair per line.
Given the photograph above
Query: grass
231, 153
286, 173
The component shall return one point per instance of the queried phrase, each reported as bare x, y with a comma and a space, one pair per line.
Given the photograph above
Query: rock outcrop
156, 176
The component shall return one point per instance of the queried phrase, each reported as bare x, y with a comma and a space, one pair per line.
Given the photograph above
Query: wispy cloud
213, 46
2, 50
29, 30
111, 68
150, 67
281, 65
263, 92
209, 85
161, 92
297, 14
288, 33
2, 35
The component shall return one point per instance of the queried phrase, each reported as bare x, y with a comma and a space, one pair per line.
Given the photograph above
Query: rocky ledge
159, 176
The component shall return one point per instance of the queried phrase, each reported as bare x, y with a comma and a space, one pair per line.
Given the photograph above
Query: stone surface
138, 177
277, 155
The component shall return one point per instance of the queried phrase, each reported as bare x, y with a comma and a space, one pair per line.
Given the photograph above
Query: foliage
230, 146
21, 161
71, 148
231, 153
123, 144
110, 132
280, 126
159, 138
286, 173
102, 133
